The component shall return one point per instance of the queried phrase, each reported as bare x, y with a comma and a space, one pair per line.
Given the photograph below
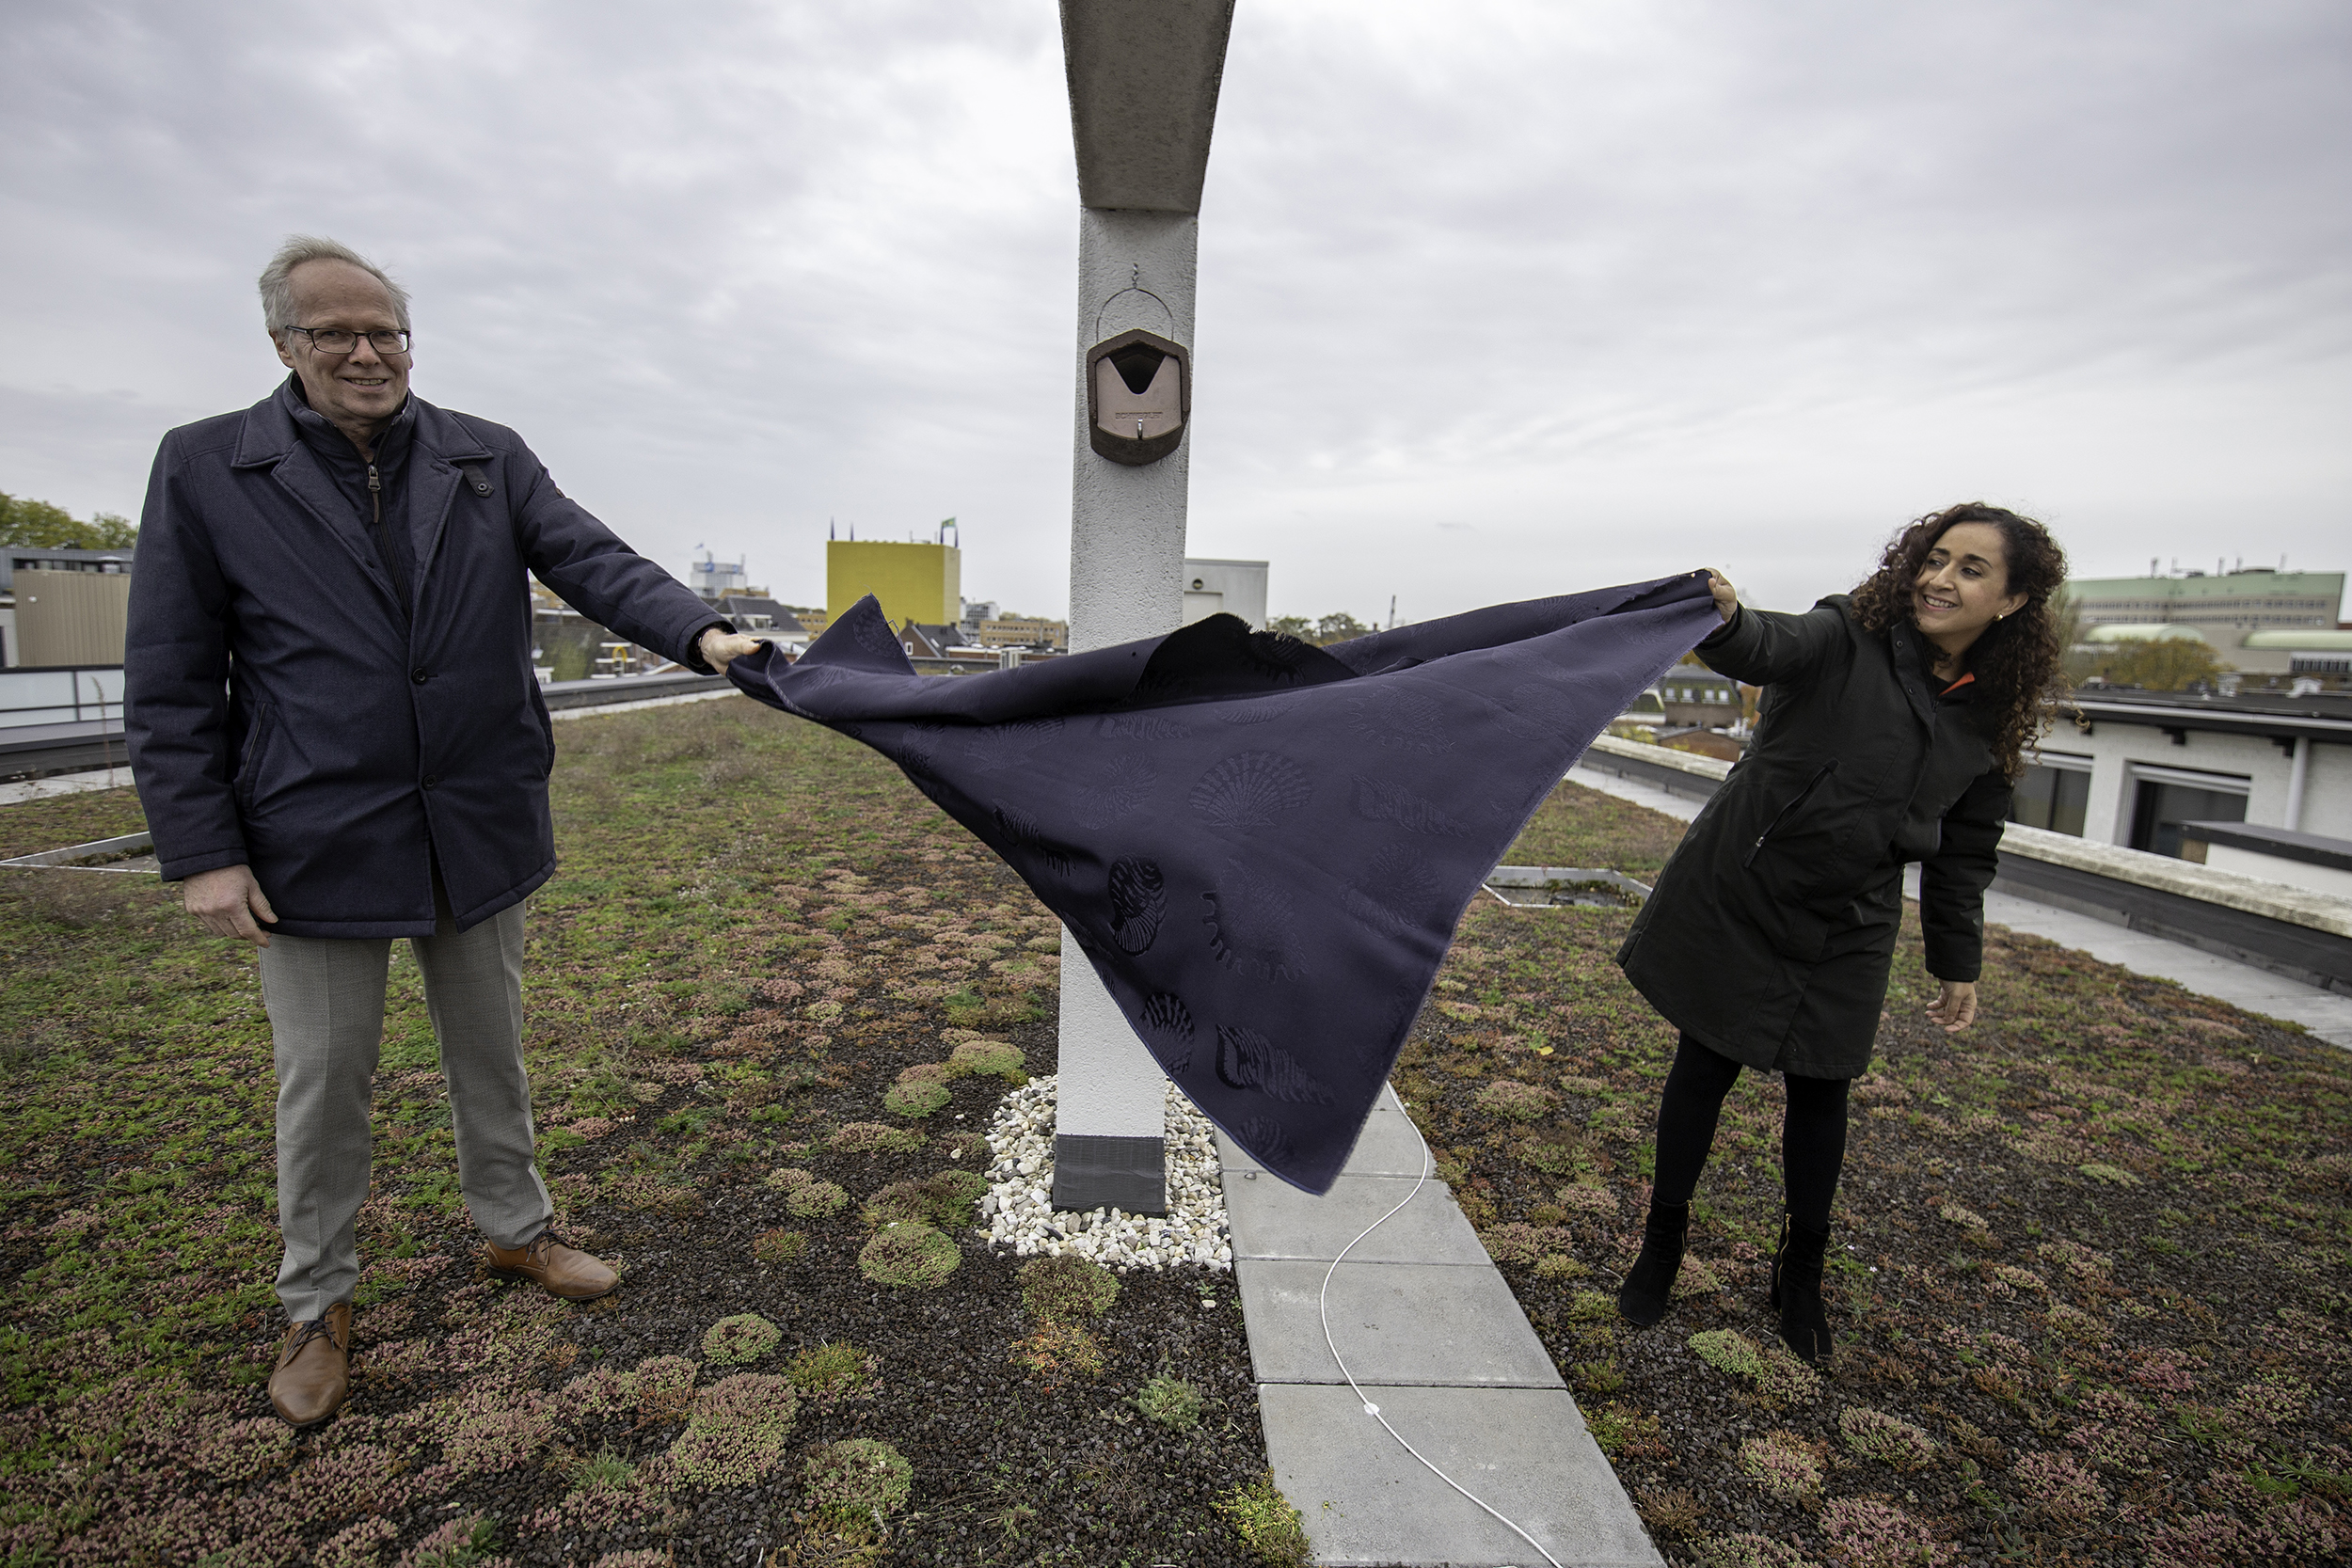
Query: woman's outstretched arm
1951, 896
1763, 647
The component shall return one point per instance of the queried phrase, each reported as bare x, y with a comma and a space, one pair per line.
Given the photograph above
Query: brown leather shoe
557, 1269
313, 1371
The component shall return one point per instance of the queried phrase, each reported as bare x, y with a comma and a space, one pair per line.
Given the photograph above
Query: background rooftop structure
2225, 609
918, 581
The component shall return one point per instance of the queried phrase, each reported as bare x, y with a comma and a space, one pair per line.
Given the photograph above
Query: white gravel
1019, 1210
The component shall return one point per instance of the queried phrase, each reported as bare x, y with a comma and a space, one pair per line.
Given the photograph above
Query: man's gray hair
278, 295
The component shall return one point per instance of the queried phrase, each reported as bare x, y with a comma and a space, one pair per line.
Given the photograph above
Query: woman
1894, 720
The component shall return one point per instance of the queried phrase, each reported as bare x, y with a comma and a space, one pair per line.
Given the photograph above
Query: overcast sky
1495, 298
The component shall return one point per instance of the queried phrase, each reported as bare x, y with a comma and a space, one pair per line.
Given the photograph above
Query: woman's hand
1726, 596
1957, 1008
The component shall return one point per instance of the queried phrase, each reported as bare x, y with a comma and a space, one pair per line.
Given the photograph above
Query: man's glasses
334, 340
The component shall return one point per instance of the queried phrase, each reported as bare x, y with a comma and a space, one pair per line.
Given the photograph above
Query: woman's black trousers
1812, 1135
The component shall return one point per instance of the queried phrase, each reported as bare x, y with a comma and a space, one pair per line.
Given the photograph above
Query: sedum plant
813, 1200
858, 1478
1066, 1290
745, 1336
909, 1255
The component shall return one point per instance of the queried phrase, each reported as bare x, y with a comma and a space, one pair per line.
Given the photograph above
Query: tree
2157, 665
27, 522
1339, 626
1336, 627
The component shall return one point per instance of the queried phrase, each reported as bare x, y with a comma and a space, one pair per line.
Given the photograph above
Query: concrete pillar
1126, 580
1143, 87
2299, 773
1127, 524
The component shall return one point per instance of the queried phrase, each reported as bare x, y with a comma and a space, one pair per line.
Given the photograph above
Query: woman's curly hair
2018, 660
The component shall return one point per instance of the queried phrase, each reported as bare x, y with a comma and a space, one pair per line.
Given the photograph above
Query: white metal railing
73, 695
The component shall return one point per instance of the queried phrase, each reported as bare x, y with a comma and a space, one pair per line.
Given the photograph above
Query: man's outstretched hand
720, 648
227, 900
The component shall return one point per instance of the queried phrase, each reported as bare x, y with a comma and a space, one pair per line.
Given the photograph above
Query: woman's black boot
1642, 1296
1796, 1290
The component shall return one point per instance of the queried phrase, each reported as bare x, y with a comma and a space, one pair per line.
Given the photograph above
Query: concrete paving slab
1387, 1147
1271, 1219
1524, 1452
1404, 1323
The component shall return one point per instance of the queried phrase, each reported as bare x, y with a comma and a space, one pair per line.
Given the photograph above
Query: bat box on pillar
1138, 392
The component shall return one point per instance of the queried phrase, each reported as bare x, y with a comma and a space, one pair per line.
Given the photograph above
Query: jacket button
432, 779
419, 676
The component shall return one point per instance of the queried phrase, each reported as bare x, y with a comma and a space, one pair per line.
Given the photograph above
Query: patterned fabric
1262, 846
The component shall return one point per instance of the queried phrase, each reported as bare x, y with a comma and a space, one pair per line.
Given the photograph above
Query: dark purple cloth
1262, 846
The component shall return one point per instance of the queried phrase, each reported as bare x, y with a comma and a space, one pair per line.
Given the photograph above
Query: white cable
1429, 1168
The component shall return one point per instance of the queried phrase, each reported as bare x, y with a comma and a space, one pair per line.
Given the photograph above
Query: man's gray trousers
326, 1003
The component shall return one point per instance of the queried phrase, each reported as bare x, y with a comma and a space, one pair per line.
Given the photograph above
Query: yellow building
914, 582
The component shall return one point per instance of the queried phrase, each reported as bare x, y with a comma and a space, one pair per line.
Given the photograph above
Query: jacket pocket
1787, 811
547, 730
257, 741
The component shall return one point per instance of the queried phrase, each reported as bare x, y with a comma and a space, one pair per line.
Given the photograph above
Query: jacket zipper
1772, 827
384, 539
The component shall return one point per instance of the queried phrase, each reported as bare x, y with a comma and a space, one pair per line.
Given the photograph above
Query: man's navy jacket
286, 711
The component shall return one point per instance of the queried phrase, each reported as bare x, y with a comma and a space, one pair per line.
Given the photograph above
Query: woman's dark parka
1772, 929
290, 710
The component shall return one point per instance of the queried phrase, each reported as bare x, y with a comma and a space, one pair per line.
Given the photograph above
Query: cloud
1617, 288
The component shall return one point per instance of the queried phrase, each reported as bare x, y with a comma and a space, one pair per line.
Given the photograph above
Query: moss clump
666, 1387
813, 1200
460, 1543
1058, 1351
897, 1204
1066, 1290
987, 1058
1518, 1243
835, 1370
779, 1247
736, 1434
916, 1100
956, 1191
874, 1137
943, 1200
785, 1178
1270, 1529
1552, 1156
858, 1478
1778, 1376
909, 1255
1785, 1464
1748, 1551
1171, 1403
1592, 1306
968, 1146
1889, 1439
1514, 1101
745, 1336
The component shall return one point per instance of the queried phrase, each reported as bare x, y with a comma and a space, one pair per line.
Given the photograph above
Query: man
337, 737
